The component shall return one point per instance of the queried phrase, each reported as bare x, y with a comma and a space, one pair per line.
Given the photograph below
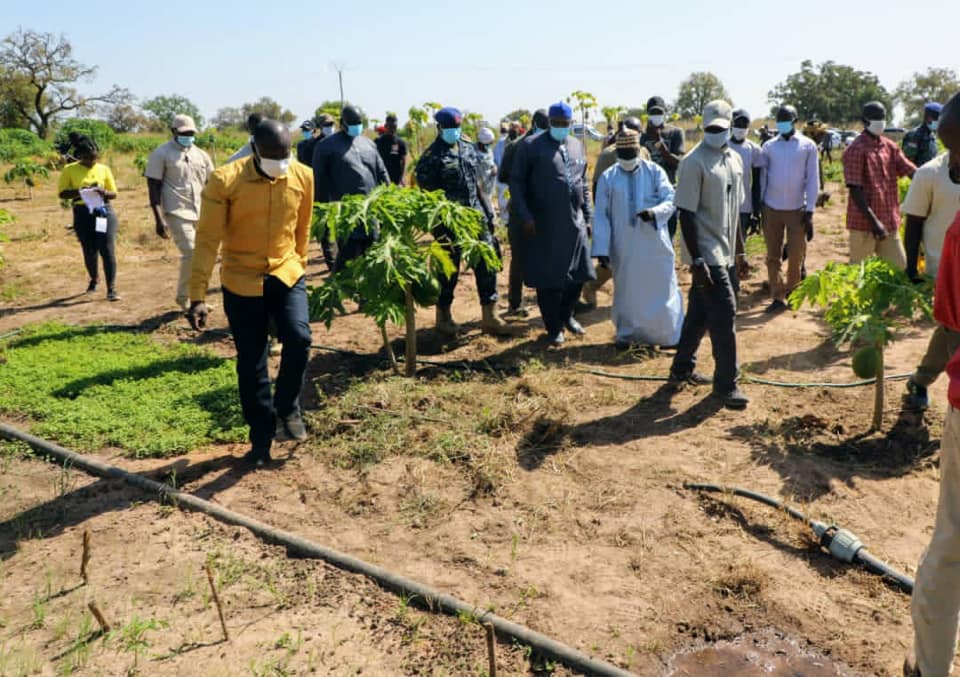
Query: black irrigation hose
430, 597
753, 379
840, 543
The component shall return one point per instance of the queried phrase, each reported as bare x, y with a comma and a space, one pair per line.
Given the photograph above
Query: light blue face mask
715, 139
450, 135
559, 133
355, 130
785, 127
307, 133
934, 124
185, 141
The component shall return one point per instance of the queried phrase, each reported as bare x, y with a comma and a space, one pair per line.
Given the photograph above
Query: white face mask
876, 127
628, 165
715, 139
327, 131
739, 133
274, 168
657, 120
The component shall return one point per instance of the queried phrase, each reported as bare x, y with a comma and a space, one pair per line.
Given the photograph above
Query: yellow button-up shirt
262, 224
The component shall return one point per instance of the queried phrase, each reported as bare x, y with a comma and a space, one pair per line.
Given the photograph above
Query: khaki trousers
935, 606
184, 236
863, 245
776, 223
604, 274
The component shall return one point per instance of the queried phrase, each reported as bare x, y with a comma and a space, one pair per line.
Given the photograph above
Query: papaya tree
26, 171
403, 267
863, 304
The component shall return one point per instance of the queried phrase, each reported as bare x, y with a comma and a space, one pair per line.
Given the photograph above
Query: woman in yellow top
95, 228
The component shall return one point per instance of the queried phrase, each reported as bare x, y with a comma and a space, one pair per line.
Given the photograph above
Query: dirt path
568, 514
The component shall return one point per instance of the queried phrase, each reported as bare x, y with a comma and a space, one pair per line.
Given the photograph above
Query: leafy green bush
16, 144
94, 387
5, 219
140, 144
97, 130
223, 142
26, 171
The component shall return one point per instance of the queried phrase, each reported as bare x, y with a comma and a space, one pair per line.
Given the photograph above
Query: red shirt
875, 164
946, 302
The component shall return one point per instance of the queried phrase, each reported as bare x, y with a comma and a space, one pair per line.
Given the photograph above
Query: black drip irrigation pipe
840, 543
753, 379
425, 595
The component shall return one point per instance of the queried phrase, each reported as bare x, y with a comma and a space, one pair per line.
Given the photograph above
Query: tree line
39, 79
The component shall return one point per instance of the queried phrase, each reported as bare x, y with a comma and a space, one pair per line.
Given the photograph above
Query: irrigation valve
842, 544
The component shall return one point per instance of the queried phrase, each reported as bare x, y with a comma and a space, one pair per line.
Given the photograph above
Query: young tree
26, 171
162, 110
936, 84
124, 115
831, 92
471, 124
416, 123
229, 117
521, 115
15, 97
401, 269
583, 102
268, 108
611, 114
863, 303
43, 65
697, 91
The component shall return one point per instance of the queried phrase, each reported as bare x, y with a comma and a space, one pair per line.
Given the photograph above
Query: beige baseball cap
717, 113
183, 124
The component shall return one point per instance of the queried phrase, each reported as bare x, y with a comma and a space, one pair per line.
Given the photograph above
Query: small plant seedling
132, 637
27, 171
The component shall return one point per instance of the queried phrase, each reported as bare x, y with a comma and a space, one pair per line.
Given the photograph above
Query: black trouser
486, 278
329, 250
556, 306
713, 310
355, 246
97, 245
672, 225
248, 317
515, 293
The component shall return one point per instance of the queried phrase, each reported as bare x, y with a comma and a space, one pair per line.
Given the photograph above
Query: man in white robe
634, 202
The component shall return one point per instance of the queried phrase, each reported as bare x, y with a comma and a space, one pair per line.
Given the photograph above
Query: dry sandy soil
518, 481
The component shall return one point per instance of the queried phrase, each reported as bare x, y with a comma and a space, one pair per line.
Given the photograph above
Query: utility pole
339, 67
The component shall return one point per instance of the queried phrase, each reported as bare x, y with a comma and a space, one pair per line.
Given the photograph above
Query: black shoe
582, 307
257, 457
555, 340
92, 287
694, 378
776, 307
575, 327
290, 428
917, 395
734, 399
112, 295
520, 311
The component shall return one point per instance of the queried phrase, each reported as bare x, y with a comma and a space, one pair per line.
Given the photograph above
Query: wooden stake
389, 349
216, 600
410, 357
85, 558
878, 392
491, 648
95, 610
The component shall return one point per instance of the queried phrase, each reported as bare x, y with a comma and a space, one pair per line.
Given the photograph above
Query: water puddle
755, 655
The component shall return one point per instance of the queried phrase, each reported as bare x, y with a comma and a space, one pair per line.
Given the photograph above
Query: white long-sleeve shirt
790, 174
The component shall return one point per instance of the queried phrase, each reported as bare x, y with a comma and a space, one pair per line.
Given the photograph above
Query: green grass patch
93, 387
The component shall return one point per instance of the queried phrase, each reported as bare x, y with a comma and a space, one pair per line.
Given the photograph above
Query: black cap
540, 119
656, 102
306, 124
633, 123
351, 115
741, 114
786, 109
391, 118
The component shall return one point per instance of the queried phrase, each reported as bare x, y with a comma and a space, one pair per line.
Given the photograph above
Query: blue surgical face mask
450, 135
355, 130
716, 139
933, 125
307, 133
785, 126
185, 141
559, 133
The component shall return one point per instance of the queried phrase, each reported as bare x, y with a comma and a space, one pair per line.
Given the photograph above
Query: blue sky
491, 57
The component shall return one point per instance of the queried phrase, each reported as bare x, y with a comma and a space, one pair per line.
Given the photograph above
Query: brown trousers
776, 223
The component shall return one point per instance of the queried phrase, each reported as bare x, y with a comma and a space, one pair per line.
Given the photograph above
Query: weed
38, 608
132, 637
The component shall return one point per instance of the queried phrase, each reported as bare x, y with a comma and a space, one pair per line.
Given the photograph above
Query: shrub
140, 144
16, 144
97, 130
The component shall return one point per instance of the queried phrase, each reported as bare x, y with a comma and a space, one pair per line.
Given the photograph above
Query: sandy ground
570, 516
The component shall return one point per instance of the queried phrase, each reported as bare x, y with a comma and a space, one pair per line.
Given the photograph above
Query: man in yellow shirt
257, 212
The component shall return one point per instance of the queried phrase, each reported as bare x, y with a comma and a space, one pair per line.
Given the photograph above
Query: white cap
717, 113
485, 135
183, 123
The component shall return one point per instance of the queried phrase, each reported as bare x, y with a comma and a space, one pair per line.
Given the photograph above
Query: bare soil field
513, 477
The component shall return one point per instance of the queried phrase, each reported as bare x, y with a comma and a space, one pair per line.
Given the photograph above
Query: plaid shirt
875, 164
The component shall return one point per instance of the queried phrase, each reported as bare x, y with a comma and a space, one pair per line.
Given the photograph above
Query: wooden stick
216, 600
491, 648
410, 356
387, 347
95, 610
85, 558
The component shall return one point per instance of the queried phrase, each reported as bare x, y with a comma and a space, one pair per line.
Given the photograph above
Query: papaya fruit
866, 362
426, 291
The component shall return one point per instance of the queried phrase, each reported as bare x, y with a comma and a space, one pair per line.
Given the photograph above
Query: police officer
451, 164
920, 143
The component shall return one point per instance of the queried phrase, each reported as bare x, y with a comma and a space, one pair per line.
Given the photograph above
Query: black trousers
712, 310
486, 278
556, 306
515, 293
96, 245
248, 317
